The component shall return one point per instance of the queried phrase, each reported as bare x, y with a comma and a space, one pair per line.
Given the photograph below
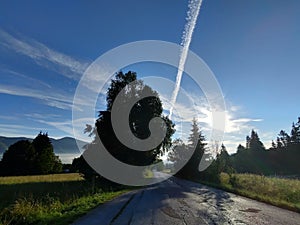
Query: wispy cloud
51, 98
23, 77
43, 55
35, 116
13, 130
58, 62
7, 117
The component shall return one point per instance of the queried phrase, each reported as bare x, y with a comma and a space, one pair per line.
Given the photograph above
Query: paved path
182, 202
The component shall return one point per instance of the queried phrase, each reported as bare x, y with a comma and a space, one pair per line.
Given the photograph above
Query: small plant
233, 180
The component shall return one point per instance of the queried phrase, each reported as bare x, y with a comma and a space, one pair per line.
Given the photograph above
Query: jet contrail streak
192, 15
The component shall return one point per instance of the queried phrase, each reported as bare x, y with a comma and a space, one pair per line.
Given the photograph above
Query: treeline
29, 158
281, 159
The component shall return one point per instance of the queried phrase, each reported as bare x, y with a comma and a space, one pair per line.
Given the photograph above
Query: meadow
62, 198
49, 199
280, 192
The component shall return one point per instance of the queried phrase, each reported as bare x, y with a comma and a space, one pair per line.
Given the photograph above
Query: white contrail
192, 15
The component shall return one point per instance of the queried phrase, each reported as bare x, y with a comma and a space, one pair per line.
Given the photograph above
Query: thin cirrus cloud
58, 100
23, 78
73, 69
44, 56
52, 60
13, 130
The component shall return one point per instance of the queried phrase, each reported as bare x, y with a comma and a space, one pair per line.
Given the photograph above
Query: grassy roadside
284, 193
50, 199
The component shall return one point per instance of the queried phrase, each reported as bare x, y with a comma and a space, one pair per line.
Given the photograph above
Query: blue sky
252, 47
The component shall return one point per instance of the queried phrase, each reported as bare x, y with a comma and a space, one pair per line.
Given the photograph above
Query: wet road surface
177, 201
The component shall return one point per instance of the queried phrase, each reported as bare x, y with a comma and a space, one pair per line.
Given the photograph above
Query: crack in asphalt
121, 210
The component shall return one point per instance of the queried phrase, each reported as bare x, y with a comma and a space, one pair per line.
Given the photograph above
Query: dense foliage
140, 115
192, 152
25, 158
281, 159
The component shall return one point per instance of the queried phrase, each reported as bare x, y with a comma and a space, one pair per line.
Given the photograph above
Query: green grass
280, 192
50, 199
41, 178
148, 174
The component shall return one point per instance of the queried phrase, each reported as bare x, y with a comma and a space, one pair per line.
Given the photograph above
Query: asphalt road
182, 202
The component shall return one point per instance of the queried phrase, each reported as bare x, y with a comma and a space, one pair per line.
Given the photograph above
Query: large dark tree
140, 115
18, 159
24, 158
45, 160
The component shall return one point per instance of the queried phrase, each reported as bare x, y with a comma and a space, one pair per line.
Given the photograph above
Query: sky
252, 47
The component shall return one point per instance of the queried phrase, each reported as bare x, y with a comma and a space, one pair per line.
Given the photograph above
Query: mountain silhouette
62, 145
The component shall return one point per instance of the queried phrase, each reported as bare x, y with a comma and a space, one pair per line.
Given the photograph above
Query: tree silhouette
225, 164
222, 163
18, 159
254, 142
196, 143
295, 133
140, 115
45, 161
24, 157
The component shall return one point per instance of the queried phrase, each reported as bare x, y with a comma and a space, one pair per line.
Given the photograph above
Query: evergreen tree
224, 160
248, 140
254, 142
197, 145
195, 135
45, 161
284, 138
273, 144
279, 143
222, 163
240, 148
295, 133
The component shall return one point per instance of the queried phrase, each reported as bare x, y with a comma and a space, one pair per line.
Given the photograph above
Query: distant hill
67, 145
62, 145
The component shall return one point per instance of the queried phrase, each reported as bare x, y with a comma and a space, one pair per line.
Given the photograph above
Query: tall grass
41, 178
49, 199
277, 191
